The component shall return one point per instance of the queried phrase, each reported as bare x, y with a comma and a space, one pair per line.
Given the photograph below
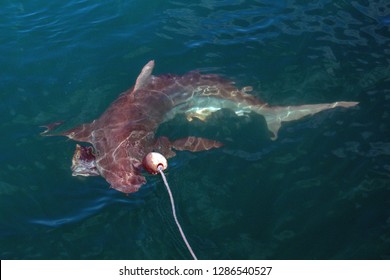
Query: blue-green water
321, 191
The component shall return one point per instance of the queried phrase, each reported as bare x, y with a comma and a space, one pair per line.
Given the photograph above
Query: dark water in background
321, 191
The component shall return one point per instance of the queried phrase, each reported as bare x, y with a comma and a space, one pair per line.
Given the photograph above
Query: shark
126, 131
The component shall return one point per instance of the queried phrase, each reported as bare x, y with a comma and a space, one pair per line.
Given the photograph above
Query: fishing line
174, 213
156, 163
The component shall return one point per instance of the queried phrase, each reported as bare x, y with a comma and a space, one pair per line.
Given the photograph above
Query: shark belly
202, 107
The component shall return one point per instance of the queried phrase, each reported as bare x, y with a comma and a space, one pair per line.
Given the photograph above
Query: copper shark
123, 135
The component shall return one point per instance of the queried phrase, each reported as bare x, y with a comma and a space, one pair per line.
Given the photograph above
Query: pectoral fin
193, 144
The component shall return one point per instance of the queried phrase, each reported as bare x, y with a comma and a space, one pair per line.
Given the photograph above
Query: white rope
174, 213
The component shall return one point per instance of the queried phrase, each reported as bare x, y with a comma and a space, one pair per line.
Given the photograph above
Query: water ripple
88, 210
218, 24
64, 60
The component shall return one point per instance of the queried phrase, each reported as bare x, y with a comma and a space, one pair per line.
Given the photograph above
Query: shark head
83, 162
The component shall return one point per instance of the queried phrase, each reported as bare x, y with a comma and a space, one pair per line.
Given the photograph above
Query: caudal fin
274, 116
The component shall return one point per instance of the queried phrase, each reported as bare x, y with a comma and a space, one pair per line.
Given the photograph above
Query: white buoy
153, 160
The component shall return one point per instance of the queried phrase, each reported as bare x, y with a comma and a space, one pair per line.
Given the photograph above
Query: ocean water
320, 191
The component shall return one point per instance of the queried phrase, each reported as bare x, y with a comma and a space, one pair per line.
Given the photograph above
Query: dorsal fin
144, 76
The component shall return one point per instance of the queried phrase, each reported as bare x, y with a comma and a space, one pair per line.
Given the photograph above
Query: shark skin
125, 133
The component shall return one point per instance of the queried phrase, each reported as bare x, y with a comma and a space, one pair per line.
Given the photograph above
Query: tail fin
274, 116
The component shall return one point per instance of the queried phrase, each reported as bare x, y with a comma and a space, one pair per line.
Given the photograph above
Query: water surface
321, 191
